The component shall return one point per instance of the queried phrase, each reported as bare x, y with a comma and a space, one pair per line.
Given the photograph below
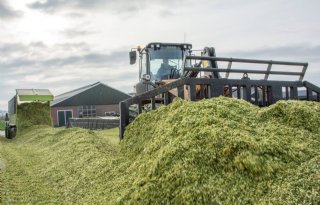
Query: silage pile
30, 114
223, 151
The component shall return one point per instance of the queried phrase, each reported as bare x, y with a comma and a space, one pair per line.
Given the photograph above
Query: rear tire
11, 131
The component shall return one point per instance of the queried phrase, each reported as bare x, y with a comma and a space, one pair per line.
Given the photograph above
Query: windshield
165, 63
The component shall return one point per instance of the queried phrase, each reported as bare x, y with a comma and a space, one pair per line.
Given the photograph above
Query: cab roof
188, 45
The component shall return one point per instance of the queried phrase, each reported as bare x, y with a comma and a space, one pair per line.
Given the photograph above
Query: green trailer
22, 97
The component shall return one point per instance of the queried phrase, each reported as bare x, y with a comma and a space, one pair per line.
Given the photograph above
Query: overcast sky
65, 44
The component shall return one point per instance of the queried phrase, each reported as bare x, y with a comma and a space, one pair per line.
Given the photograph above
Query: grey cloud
91, 58
11, 47
166, 13
36, 50
38, 44
8, 13
120, 6
298, 51
17, 63
72, 33
75, 15
56, 5
8, 48
49, 5
81, 46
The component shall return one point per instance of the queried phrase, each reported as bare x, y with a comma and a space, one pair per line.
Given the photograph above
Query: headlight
139, 48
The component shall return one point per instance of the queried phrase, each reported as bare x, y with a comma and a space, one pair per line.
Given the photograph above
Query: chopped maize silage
34, 113
224, 151
217, 151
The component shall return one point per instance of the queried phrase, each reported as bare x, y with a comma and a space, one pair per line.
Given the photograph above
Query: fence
94, 123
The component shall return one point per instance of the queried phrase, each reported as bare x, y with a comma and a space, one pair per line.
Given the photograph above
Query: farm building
88, 101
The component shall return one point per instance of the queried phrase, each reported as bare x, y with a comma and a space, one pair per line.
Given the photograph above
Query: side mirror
133, 57
6, 118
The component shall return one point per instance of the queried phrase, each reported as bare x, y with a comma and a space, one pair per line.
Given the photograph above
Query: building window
87, 111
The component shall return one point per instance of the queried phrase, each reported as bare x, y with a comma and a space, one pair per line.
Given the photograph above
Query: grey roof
94, 94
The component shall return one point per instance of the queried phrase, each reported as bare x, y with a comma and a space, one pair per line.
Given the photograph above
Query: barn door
68, 114
63, 117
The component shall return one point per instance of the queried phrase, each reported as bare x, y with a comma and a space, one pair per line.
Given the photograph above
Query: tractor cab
159, 62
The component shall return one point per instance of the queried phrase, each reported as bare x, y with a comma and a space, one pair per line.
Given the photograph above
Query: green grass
219, 151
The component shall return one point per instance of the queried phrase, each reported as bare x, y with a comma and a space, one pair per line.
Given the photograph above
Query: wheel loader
169, 70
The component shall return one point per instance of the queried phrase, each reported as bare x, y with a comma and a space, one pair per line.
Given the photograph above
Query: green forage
215, 151
225, 151
33, 113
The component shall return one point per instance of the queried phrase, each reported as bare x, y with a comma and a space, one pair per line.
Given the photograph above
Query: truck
23, 96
